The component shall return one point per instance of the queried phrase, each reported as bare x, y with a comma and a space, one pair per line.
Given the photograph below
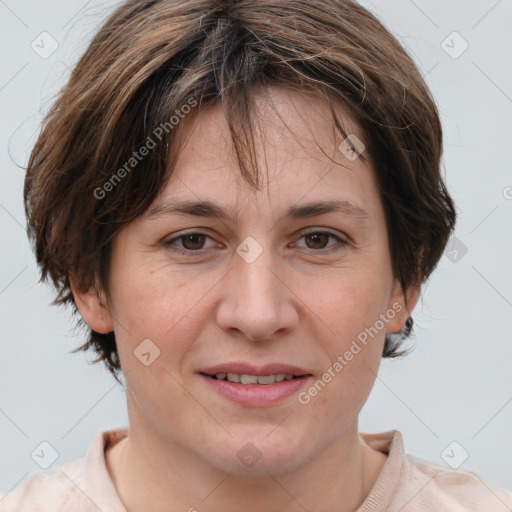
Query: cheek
348, 304
351, 307
159, 304
340, 392
335, 401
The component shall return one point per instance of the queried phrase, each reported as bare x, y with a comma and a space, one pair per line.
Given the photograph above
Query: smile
244, 378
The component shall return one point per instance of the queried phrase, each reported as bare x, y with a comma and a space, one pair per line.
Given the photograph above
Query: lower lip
256, 395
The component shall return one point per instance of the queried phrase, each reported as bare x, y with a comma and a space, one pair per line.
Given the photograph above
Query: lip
256, 395
248, 369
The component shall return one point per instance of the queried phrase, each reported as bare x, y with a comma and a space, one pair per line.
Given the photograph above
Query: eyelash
190, 252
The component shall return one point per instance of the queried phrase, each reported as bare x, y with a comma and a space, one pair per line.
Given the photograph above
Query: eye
191, 242
317, 240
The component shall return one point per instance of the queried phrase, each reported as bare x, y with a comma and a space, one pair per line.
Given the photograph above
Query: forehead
297, 150
282, 122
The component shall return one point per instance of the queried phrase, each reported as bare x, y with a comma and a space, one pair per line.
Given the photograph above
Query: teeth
266, 379
253, 379
248, 379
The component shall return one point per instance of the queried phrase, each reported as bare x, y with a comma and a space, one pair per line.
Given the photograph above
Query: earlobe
402, 306
93, 307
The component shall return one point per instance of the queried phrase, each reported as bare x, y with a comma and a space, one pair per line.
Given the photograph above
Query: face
257, 292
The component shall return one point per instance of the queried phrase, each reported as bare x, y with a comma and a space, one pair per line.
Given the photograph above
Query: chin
260, 456
262, 467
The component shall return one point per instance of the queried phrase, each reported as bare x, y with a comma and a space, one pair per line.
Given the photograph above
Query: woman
242, 199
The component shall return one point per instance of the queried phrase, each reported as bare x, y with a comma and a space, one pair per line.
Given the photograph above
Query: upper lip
249, 369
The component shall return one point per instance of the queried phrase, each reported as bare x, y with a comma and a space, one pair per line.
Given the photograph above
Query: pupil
192, 237
317, 235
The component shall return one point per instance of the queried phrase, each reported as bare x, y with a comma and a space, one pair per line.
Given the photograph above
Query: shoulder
39, 491
80, 484
408, 483
426, 485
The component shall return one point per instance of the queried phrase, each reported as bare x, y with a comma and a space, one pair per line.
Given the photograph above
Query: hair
150, 59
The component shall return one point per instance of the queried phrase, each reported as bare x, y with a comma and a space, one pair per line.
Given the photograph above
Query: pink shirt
406, 484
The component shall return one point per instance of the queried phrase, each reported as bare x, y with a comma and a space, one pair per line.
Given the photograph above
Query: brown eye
193, 241
318, 240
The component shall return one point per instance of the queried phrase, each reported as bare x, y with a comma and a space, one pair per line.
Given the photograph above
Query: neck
150, 472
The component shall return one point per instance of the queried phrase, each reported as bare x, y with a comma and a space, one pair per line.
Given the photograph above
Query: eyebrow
210, 209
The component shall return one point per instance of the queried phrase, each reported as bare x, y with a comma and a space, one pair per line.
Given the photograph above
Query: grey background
455, 386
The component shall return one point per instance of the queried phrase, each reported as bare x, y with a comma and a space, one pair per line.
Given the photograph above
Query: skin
294, 304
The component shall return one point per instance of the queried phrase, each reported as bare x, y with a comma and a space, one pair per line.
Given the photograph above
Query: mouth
244, 378
251, 386
245, 373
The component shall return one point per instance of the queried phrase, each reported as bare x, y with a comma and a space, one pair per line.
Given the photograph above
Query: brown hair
151, 58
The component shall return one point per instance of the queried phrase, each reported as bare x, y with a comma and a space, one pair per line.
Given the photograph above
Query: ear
92, 305
402, 304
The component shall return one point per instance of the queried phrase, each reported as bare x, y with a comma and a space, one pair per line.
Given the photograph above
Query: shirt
405, 484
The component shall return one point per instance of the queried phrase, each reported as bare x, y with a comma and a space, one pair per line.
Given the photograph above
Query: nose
257, 302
